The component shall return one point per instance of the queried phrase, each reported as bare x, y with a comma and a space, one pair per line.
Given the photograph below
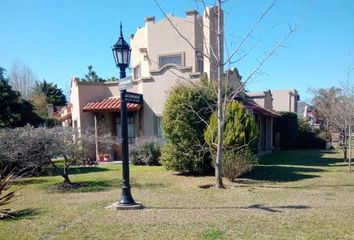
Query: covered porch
107, 120
264, 120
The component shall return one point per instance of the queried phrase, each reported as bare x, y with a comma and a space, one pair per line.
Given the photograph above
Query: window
158, 127
175, 59
131, 128
137, 72
200, 61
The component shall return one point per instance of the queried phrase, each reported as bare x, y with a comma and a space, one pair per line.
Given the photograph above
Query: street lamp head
121, 51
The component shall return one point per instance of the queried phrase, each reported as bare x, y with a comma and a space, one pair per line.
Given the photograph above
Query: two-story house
160, 58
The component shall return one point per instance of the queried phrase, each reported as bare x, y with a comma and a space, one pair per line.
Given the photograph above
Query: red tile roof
108, 105
260, 110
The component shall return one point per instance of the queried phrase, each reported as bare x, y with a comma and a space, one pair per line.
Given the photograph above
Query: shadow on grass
288, 166
207, 174
271, 209
281, 173
28, 213
295, 187
100, 186
305, 158
150, 185
28, 181
88, 169
85, 186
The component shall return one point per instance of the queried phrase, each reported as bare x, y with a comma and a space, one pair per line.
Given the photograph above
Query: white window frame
134, 68
181, 54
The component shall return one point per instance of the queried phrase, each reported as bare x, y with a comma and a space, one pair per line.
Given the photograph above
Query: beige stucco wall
211, 47
263, 99
285, 100
159, 38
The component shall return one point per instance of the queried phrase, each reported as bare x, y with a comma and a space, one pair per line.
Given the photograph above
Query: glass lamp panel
115, 57
120, 56
125, 56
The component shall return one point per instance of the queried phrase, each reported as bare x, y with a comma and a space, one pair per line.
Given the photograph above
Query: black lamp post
121, 53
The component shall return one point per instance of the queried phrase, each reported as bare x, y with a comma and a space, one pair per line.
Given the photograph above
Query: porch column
96, 135
271, 133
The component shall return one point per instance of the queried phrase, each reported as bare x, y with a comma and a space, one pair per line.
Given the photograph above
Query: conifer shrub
239, 140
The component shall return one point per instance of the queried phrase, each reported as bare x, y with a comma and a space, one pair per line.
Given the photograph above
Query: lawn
291, 195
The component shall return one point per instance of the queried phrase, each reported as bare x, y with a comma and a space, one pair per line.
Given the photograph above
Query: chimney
150, 19
192, 12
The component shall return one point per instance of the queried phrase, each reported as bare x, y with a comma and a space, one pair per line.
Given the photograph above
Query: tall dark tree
53, 94
14, 111
92, 76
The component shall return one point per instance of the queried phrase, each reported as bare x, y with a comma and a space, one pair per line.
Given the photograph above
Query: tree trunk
66, 178
345, 147
65, 173
218, 161
350, 148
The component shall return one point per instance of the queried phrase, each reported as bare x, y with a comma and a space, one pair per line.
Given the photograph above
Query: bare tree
346, 110
225, 89
22, 78
325, 100
27, 149
336, 109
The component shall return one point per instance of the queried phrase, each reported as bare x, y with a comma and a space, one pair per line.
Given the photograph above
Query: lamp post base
119, 206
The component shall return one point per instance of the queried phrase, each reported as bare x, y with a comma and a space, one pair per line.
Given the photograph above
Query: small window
171, 59
137, 72
200, 61
158, 127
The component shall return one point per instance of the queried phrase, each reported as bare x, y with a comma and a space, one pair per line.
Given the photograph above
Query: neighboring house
160, 58
301, 105
308, 112
285, 100
64, 115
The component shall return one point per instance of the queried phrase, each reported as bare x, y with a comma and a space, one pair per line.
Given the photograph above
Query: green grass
291, 195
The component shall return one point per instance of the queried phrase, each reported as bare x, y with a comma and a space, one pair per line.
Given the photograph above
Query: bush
327, 136
236, 163
287, 126
240, 137
183, 128
25, 149
239, 129
147, 151
50, 122
31, 150
308, 138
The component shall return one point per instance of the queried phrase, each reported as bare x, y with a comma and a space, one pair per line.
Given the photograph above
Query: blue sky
59, 39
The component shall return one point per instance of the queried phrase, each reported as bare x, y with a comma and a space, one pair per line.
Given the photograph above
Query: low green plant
147, 151
213, 235
236, 163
